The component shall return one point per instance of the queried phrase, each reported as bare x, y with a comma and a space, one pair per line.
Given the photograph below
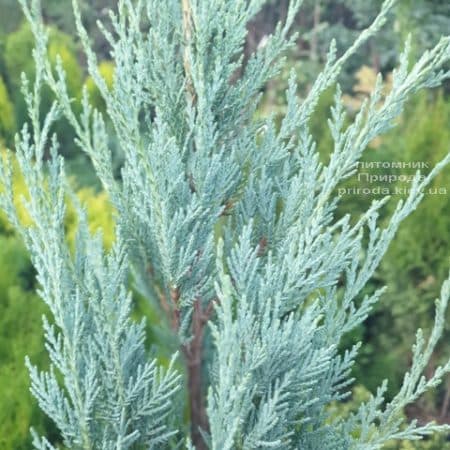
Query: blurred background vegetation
414, 268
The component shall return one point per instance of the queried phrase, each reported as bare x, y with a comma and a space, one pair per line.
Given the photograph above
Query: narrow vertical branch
187, 56
193, 351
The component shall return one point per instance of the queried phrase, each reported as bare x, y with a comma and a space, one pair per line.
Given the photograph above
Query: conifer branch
226, 225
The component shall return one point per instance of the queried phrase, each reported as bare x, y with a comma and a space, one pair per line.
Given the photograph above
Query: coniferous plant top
227, 225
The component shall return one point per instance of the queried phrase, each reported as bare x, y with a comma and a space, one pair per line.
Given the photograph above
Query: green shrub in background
10, 19
21, 328
17, 55
7, 115
18, 58
421, 249
422, 246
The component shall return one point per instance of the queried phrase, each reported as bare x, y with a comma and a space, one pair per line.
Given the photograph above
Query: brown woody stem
193, 352
187, 34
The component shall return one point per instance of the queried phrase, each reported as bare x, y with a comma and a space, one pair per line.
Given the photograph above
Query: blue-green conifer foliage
227, 224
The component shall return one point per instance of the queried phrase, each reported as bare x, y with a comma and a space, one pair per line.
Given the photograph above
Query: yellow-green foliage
21, 334
100, 215
20, 190
7, 117
18, 56
61, 45
97, 205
